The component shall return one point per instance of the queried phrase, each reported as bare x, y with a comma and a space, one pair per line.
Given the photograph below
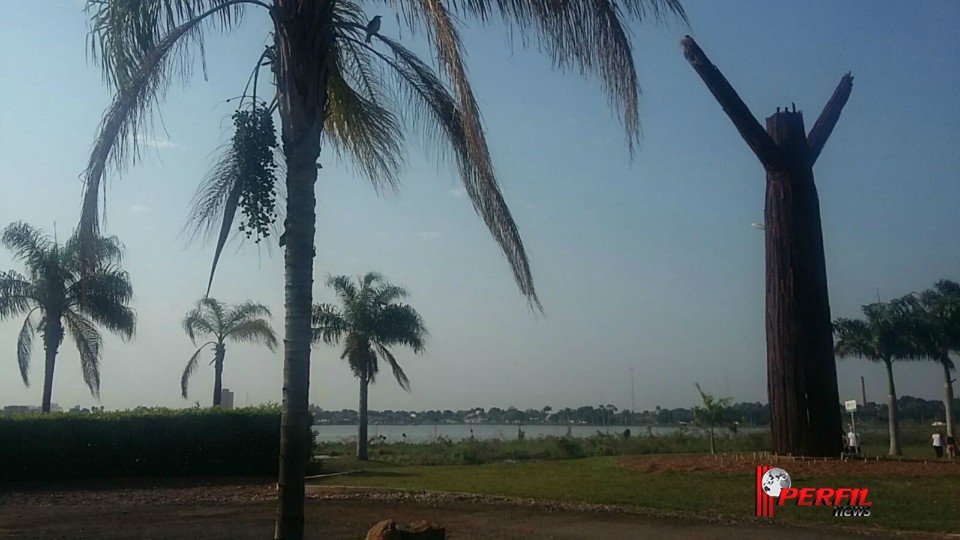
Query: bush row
443, 451
140, 443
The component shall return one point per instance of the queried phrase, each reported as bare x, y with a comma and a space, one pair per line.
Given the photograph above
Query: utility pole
633, 394
863, 393
801, 368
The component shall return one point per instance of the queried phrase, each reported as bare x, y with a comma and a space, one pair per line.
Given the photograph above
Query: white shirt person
938, 444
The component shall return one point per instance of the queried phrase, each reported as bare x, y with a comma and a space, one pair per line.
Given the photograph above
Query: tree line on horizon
746, 414
911, 409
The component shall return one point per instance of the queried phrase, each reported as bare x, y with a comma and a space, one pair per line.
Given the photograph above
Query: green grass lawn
899, 502
910, 451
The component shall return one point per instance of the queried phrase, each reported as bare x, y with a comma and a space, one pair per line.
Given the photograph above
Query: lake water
456, 432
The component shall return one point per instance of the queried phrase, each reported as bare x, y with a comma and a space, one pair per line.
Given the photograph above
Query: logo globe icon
774, 480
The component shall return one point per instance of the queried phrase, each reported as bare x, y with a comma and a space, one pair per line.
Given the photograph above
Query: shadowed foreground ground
241, 510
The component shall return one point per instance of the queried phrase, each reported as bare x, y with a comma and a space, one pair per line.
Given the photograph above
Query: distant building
226, 399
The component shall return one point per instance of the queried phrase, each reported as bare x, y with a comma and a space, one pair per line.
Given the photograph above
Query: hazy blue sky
650, 264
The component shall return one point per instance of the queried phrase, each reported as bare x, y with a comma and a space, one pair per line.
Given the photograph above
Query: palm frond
388, 294
434, 109
27, 244
359, 122
398, 373
400, 324
89, 343
244, 311
883, 335
125, 32
190, 368
136, 43
344, 288
107, 293
854, 339
254, 331
328, 324
24, 346
210, 200
713, 410
589, 36
17, 295
103, 251
201, 320
217, 200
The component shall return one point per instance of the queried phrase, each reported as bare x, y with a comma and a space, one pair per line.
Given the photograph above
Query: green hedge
140, 443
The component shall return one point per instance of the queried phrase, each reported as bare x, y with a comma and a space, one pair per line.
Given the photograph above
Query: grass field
928, 502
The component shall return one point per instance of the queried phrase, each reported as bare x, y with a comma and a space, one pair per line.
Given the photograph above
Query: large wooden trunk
805, 417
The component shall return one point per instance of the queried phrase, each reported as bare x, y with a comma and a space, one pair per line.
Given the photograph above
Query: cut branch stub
748, 126
828, 118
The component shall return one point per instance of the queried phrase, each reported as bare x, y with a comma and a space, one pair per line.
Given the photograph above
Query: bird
373, 27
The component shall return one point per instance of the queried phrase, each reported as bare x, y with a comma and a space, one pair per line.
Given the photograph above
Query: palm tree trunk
300, 129
894, 415
947, 394
219, 353
52, 337
362, 431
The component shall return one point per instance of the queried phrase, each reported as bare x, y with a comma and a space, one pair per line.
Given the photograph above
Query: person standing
853, 441
951, 446
938, 444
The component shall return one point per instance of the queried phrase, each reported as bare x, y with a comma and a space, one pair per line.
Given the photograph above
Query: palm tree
50, 297
934, 329
333, 88
883, 337
712, 413
241, 323
369, 322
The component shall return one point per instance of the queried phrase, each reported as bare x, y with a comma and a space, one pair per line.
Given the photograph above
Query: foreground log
801, 368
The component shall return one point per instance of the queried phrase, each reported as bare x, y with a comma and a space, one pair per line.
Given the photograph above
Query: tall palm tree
369, 322
332, 87
212, 318
934, 329
882, 337
50, 297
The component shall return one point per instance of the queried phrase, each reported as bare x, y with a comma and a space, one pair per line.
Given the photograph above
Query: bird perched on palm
373, 27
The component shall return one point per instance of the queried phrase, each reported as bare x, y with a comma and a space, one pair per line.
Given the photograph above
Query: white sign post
851, 407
